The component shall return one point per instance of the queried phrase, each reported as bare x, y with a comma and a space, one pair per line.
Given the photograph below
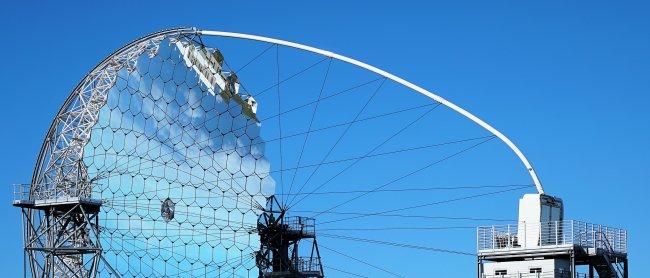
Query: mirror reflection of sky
162, 135
536, 71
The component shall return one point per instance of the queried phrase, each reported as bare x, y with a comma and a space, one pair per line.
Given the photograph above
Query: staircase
606, 261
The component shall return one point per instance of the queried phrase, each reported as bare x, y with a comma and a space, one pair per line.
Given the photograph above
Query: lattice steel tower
280, 238
62, 233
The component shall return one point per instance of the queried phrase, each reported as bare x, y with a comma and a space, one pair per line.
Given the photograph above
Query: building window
536, 270
500, 272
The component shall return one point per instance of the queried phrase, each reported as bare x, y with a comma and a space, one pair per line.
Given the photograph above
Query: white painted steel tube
399, 80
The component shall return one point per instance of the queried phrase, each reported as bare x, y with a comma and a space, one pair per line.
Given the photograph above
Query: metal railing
556, 274
306, 225
308, 264
21, 192
548, 234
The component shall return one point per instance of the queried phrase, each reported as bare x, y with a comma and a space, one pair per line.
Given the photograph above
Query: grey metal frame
57, 206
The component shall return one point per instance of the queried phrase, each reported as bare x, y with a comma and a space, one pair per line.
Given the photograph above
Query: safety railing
556, 274
21, 192
308, 264
548, 274
305, 225
549, 234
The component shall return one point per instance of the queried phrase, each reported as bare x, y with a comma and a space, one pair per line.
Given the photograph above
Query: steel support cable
277, 63
400, 228
406, 216
114, 166
164, 110
233, 227
255, 58
318, 129
426, 205
132, 153
133, 245
334, 126
445, 188
154, 207
369, 152
397, 244
411, 189
235, 267
311, 122
232, 198
199, 215
195, 232
121, 256
436, 162
245, 201
169, 248
397, 79
245, 231
222, 263
360, 261
180, 271
338, 93
345, 271
277, 115
290, 77
123, 200
310, 165
203, 235
340, 137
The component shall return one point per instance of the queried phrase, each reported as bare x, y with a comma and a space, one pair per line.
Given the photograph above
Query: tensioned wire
217, 182
267, 141
298, 166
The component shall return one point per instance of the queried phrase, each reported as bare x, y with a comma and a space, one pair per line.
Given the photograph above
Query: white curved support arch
399, 80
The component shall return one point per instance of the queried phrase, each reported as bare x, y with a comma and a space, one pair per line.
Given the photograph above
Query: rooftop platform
523, 240
23, 198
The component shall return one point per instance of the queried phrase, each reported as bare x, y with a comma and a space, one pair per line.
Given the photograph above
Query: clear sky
568, 81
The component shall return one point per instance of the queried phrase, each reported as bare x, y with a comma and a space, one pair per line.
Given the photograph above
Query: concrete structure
543, 244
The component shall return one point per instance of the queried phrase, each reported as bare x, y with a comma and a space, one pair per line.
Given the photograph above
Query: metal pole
591, 271
573, 264
556, 233
24, 226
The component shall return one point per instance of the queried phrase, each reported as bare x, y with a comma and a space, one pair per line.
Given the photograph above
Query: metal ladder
610, 266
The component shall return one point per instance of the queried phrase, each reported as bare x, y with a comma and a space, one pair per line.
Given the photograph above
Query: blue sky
567, 81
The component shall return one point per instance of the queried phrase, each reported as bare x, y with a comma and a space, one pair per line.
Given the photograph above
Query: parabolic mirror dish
175, 154
180, 139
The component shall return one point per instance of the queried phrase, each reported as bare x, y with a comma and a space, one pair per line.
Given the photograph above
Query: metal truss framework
280, 238
63, 240
60, 173
62, 229
63, 174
